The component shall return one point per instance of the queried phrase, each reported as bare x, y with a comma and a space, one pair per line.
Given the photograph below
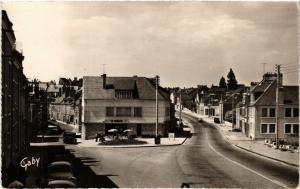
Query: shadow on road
87, 177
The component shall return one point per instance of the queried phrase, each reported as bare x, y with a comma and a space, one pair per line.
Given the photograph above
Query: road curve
239, 168
206, 160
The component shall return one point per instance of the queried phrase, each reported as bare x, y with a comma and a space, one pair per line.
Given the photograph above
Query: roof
145, 89
261, 86
290, 95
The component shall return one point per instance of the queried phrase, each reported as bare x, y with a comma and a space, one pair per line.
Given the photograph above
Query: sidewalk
150, 143
255, 146
65, 126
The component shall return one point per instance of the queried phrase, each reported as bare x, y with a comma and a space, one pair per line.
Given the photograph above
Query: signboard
116, 121
172, 135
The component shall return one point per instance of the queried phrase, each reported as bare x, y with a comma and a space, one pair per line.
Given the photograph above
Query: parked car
216, 120
61, 170
69, 138
186, 128
61, 184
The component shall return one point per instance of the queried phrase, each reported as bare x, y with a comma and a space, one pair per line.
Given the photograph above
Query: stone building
15, 137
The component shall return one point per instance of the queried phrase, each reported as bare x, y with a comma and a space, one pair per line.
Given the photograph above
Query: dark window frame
110, 111
123, 114
137, 112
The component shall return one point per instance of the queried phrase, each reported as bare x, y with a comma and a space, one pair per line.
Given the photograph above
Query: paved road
205, 160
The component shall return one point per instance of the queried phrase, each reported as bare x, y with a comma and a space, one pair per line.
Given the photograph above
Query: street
205, 160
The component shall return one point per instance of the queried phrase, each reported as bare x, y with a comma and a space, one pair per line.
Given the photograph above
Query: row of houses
103, 103
249, 109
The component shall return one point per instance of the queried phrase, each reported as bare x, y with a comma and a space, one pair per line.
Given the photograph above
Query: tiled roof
93, 87
262, 86
291, 93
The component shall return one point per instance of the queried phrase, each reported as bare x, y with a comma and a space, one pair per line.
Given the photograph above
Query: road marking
243, 166
253, 171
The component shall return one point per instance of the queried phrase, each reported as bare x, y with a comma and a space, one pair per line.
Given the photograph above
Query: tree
231, 82
222, 83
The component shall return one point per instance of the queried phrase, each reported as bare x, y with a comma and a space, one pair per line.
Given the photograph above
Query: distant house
208, 101
66, 107
123, 103
262, 110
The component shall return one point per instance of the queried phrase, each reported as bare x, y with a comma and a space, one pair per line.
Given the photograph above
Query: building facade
123, 103
15, 140
262, 111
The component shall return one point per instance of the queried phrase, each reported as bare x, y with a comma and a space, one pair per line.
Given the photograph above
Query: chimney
104, 81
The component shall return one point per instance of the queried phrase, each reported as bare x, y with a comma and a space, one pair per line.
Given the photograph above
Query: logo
27, 162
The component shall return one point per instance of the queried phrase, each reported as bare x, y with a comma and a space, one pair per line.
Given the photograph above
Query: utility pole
232, 106
180, 104
278, 85
156, 102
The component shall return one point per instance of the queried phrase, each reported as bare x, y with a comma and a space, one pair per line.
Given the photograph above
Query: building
123, 103
262, 111
15, 140
208, 101
66, 107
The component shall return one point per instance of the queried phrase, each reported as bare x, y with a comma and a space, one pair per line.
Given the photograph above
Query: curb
250, 151
292, 164
141, 146
245, 149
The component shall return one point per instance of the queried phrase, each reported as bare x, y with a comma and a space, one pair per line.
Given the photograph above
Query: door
139, 130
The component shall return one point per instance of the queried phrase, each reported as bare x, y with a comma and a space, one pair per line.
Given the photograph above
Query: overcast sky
186, 43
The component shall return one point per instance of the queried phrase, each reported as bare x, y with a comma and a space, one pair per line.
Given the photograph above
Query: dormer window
124, 94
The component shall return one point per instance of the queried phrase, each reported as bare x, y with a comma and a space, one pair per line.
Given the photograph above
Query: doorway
139, 130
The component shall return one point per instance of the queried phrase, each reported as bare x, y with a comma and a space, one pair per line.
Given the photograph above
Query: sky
185, 43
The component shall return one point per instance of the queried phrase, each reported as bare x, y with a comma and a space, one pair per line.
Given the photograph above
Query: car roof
57, 163
61, 182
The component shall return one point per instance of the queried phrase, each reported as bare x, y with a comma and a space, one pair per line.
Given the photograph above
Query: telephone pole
278, 85
156, 103
180, 104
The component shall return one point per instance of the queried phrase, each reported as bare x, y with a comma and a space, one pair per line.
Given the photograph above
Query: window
264, 128
123, 111
137, 111
296, 112
288, 112
296, 128
206, 111
124, 94
272, 112
268, 128
291, 128
268, 112
271, 128
264, 112
288, 128
110, 111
